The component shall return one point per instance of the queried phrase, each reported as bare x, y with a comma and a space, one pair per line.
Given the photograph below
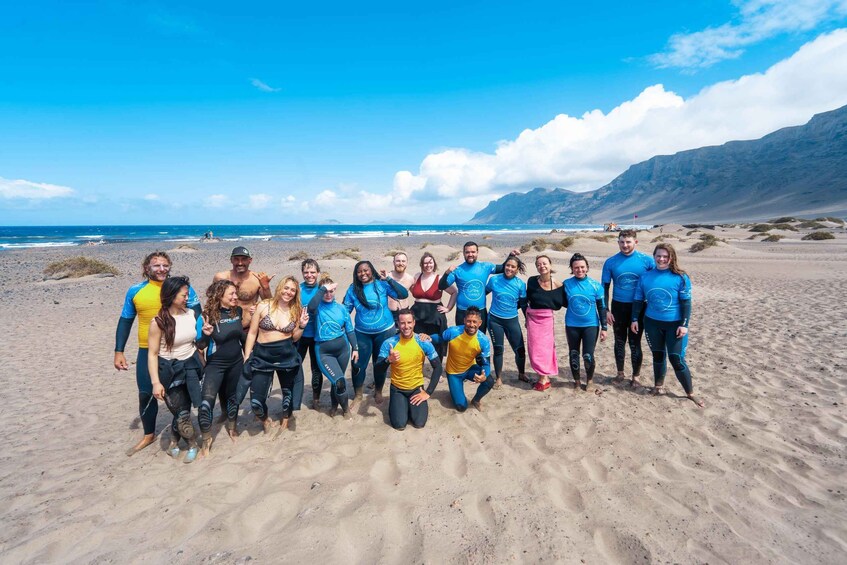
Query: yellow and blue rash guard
463, 350
144, 300
407, 373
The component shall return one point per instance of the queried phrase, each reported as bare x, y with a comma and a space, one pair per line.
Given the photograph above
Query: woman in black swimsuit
277, 324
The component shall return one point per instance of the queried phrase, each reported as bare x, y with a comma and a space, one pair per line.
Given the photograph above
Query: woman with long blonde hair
277, 324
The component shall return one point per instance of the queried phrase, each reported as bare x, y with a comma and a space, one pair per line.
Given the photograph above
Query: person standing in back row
622, 271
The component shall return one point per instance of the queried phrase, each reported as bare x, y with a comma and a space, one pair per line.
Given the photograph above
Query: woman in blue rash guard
223, 338
173, 360
666, 291
374, 322
586, 314
508, 294
334, 337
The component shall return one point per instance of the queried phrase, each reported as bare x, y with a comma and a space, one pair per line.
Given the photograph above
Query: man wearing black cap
251, 286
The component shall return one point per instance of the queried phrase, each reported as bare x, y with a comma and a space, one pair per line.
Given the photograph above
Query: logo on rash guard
369, 317
579, 304
505, 300
626, 281
329, 328
474, 290
660, 299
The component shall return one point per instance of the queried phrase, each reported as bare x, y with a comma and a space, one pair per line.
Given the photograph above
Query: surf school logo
660, 299
369, 317
329, 328
626, 281
580, 304
474, 291
504, 301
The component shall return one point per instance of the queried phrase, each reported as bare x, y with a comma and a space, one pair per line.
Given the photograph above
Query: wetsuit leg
574, 336
457, 391
622, 312
484, 315
148, 407
297, 388
232, 374
178, 401
333, 357
497, 332
514, 334
589, 343
213, 379
676, 355
419, 414
484, 387
398, 408
460, 317
656, 341
260, 388
635, 344
287, 382
366, 349
308, 344
380, 373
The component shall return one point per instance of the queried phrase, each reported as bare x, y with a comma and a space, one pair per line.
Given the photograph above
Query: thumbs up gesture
394, 356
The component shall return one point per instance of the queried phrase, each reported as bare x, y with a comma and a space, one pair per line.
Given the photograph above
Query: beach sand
758, 476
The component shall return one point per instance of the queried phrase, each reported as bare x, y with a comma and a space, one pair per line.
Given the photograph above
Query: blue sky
206, 113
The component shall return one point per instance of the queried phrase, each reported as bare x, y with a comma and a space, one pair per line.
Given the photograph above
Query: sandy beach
758, 476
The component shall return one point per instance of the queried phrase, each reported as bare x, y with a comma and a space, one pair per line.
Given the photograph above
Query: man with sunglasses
143, 300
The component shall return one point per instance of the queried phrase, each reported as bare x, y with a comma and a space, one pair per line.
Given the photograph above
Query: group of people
192, 356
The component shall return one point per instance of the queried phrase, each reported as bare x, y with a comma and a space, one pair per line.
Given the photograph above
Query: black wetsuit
224, 362
276, 356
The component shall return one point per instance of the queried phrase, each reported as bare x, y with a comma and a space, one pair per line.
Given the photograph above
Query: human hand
442, 309
354, 357
394, 356
419, 398
252, 309
610, 318
681, 331
158, 391
330, 286
383, 274
634, 327
120, 361
480, 378
304, 317
425, 337
603, 335
208, 329
264, 279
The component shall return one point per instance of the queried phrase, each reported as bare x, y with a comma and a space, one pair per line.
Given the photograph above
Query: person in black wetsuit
277, 324
223, 338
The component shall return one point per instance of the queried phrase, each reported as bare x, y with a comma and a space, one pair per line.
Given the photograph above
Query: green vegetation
603, 238
186, 247
706, 241
350, 253
692, 232
426, 244
453, 256
394, 252
755, 235
772, 238
660, 238
539, 244
75, 267
784, 220
563, 244
830, 219
810, 225
775, 226
818, 236
299, 256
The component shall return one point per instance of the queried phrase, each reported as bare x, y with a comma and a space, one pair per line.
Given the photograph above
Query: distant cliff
798, 170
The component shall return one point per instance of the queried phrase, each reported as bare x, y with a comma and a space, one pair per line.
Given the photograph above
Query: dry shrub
349, 253
75, 267
299, 256
772, 238
818, 236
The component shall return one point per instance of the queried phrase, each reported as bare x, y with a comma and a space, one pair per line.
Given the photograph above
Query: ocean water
13, 237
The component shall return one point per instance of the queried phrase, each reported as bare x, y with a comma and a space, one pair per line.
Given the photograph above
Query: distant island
799, 170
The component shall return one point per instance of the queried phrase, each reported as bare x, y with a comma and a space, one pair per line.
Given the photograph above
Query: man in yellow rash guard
143, 300
405, 354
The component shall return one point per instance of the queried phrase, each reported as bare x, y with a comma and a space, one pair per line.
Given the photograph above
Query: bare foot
346, 414
206, 446
477, 404
283, 426
658, 391
498, 383
378, 398
267, 425
577, 386
145, 441
231, 430
634, 383
316, 402
357, 399
589, 386
522, 377
619, 379
697, 401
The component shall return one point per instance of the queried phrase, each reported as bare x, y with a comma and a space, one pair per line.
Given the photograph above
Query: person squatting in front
223, 339
173, 360
334, 337
667, 292
405, 354
368, 296
585, 315
508, 294
143, 300
278, 323
622, 271
468, 352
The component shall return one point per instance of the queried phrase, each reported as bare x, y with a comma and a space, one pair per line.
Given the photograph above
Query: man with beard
406, 280
143, 300
251, 286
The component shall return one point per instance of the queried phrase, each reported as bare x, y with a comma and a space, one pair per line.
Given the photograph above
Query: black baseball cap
240, 251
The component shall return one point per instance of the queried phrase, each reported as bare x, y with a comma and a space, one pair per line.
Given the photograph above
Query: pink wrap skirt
541, 341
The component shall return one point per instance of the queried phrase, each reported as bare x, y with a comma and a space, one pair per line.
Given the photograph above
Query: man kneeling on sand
405, 354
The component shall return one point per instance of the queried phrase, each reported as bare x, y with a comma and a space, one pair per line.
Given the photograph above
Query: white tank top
184, 336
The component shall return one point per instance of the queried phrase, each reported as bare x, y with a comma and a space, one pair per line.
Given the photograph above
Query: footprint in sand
584, 430
563, 495
620, 547
311, 464
455, 463
668, 502
385, 471
596, 471
266, 513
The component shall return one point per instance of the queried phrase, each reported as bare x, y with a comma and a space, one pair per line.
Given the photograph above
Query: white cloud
259, 201
151, 197
263, 86
216, 201
758, 20
29, 190
586, 152
326, 199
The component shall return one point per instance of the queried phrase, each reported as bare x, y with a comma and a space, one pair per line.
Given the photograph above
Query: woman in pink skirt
544, 296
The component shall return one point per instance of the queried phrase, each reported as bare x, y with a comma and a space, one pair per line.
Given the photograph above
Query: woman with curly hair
223, 338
